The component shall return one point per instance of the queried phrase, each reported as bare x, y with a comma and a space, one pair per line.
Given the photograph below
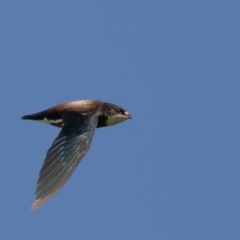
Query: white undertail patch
49, 121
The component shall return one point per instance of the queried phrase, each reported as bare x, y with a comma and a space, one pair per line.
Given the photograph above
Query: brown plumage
78, 121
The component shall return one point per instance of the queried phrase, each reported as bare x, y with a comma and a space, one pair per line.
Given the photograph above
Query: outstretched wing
64, 155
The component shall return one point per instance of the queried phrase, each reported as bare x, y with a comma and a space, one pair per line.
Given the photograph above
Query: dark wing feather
64, 155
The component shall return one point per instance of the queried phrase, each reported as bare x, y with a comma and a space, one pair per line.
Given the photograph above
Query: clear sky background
172, 172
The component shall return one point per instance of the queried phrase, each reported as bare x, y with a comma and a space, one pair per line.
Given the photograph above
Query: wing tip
36, 205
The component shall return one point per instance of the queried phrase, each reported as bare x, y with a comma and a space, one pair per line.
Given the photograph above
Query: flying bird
78, 121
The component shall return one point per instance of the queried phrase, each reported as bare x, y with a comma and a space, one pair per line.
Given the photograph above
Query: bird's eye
119, 110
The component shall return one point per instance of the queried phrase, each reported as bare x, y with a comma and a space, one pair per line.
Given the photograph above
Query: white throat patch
116, 119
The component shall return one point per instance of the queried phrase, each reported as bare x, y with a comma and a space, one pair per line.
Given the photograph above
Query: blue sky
172, 172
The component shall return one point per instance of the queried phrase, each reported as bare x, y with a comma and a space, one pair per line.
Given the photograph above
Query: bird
78, 121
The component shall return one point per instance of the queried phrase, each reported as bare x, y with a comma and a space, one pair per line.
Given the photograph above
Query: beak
128, 115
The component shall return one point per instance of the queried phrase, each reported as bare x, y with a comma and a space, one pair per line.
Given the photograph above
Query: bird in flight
78, 121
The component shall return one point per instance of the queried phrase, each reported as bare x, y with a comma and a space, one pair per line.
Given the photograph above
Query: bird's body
78, 121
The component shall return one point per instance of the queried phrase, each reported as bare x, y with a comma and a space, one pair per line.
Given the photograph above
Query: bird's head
115, 114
